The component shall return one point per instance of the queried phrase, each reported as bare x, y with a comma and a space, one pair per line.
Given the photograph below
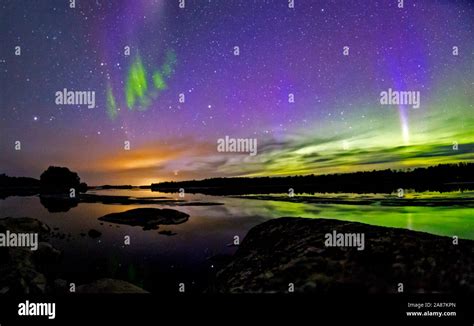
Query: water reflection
58, 204
205, 235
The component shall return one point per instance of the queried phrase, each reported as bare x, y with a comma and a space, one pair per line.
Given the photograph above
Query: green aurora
138, 94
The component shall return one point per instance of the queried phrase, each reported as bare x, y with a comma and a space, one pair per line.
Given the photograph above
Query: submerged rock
46, 253
148, 218
94, 233
293, 250
25, 225
167, 232
108, 285
60, 286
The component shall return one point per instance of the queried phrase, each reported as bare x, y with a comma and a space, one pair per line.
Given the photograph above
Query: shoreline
293, 251
365, 199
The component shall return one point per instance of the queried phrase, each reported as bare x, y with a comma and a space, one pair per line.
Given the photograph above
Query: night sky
336, 123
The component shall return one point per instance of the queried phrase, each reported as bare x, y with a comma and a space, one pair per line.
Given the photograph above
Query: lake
158, 262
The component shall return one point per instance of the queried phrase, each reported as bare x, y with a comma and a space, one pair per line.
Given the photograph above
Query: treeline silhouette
17, 182
20, 186
442, 178
105, 187
55, 180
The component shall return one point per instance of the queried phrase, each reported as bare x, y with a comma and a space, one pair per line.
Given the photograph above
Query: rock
26, 225
26, 270
94, 233
107, 285
275, 253
60, 286
148, 218
46, 254
39, 282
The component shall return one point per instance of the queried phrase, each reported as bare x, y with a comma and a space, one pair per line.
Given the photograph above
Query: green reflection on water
441, 220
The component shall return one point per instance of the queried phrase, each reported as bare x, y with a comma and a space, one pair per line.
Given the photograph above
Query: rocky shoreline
26, 271
279, 256
23, 270
286, 252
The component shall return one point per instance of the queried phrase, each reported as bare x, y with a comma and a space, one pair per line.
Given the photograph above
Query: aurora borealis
181, 87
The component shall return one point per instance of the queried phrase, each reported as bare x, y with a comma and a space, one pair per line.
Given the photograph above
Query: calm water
157, 262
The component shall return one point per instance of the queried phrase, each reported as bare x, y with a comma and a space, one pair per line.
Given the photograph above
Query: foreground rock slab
292, 250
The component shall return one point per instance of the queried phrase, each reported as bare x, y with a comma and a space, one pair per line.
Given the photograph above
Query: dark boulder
148, 218
94, 233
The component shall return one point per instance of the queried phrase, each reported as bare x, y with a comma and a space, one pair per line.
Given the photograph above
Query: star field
334, 124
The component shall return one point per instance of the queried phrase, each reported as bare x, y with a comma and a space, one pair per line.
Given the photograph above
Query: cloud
187, 158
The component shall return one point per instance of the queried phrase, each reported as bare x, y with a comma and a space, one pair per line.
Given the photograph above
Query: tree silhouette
60, 180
